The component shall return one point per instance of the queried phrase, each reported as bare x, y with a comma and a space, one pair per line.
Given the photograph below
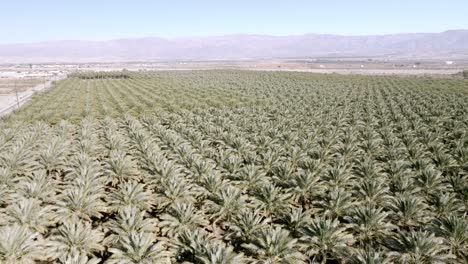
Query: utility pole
17, 98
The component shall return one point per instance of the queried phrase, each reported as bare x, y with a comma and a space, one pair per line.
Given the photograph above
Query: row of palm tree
313, 169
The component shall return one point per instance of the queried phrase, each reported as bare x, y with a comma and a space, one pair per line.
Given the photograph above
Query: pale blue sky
45, 20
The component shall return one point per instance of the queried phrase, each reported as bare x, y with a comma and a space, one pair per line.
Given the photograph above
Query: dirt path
9, 103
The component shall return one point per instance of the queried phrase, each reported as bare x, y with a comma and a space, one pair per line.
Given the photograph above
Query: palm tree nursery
237, 167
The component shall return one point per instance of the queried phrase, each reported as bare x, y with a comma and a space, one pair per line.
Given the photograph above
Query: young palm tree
174, 189
182, 216
337, 203
30, 214
370, 225
419, 248
212, 183
369, 256
271, 199
408, 211
139, 248
18, 160
455, 231
296, 218
120, 168
324, 239
283, 173
250, 177
338, 176
225, 204
7, 178
131, 193
52, 156
74, 238
77, 202
220, 254
81, 259
193, 244
446, 204
38, 186
305, 186
129, 219
20, 245
274, 245
431, 181
373, 192
247, 223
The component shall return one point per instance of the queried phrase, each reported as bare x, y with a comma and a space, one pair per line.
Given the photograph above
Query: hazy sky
45, 20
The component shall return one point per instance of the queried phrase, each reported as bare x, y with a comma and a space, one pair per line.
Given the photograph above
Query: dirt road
9, 102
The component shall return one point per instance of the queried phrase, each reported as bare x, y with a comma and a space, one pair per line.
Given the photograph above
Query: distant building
449, 62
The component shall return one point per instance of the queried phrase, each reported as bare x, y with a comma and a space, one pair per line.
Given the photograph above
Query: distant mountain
453, 43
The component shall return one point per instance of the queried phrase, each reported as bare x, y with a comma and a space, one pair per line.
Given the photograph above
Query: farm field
236, 167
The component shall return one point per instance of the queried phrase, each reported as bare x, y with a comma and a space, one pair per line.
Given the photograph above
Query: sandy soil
8, 103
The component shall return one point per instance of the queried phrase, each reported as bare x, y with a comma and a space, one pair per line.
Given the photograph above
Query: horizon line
226, 35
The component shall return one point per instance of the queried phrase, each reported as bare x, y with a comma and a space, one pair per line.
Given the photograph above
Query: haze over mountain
448, 44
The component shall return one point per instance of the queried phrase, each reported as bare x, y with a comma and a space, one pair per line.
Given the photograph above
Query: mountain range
448, 44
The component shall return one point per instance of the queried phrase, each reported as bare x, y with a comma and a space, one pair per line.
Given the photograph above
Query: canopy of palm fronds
237, 167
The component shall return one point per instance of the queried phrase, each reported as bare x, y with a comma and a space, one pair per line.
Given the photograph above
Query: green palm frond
181, 216
20, 245
325, 239
131, 193
419, 247
129, 220
74, 238
274, 245
31, 214
139, 248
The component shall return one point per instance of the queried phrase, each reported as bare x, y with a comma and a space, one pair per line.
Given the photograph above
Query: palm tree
131, 193
30, 214
337, 202
305, 186
120, 168
247, 223
220, 254
274, 245
369, 256
446, 204
283, 173
408, 211
52, 156
338, 176
324, 239
81, 259
369, 225
193, 244
419, 248
373, 192
74, 238
78, 203
296, 218
225, 204
430, 181
129, 219
139, 248
181, 216
38, 186
455, 231
20, 245
212, 183
271, 199
18, 160
250, 177
174, 189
